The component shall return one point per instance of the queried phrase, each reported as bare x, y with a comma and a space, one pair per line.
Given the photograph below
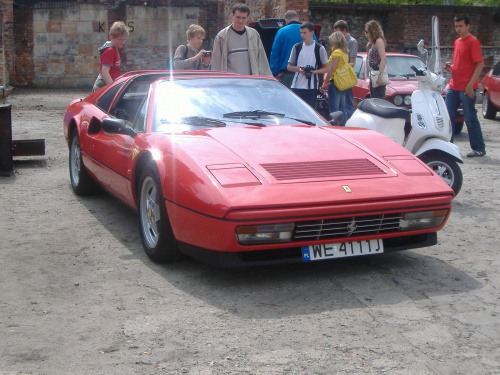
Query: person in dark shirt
285, 39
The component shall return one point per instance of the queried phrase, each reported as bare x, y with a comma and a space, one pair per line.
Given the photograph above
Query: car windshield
186, 104
400, 66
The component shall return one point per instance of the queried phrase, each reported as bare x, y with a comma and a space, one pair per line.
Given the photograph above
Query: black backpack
317, 47
185, 52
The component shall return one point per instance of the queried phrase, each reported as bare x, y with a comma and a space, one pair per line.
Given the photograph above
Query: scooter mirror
422, 47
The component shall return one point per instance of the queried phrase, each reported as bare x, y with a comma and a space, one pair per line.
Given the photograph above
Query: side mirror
422, 47
336, 118
117, 126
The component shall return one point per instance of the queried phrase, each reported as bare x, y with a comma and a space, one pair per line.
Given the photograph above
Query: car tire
458, 127
445, 167
489, 112
81, 182
157, 236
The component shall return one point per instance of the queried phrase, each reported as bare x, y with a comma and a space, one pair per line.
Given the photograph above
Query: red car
491, 92
237, 170
403, 81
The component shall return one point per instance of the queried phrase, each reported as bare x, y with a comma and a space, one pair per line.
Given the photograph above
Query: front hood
285, 154
403, 86
292, 166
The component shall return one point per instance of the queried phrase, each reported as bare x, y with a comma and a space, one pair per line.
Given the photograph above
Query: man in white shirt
308, 60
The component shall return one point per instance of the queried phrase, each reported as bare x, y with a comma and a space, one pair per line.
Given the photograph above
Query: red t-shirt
110, 56
467, 53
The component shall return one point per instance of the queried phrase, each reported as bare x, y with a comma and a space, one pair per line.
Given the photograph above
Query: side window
105, 101
126, 107
140, 119
359, 67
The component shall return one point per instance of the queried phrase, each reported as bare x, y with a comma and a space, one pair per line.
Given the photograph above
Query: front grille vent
346, 227
322, 169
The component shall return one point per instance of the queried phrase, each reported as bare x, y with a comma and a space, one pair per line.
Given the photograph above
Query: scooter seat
384, 109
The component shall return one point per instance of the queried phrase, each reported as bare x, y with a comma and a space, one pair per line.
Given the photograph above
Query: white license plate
342, 250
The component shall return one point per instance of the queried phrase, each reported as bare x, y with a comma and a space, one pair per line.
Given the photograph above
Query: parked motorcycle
429, 135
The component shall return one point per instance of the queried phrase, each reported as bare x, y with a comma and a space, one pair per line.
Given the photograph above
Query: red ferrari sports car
237, 170
491, 92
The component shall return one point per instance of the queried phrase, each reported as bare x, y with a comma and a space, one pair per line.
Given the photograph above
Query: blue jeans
336, 101
453, 100
349, 103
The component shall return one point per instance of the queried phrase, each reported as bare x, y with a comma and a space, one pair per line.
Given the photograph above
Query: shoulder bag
374, 75
345, 77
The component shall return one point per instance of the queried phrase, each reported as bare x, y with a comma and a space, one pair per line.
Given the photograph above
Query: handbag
99, 82
374, 75
345, 77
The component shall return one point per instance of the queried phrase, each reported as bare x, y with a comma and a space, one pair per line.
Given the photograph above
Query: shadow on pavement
295, 289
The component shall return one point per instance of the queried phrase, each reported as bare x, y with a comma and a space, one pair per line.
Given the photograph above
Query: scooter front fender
435, 144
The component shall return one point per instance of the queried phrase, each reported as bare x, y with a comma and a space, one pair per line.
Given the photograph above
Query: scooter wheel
445, 167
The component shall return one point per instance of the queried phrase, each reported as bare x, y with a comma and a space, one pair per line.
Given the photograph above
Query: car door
115, 153
112, 154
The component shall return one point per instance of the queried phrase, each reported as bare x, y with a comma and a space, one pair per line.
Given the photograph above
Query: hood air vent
322, 169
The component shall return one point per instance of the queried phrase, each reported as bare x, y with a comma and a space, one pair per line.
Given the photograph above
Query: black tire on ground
81, 182
445, 167
489, 112
459, 127
157, 236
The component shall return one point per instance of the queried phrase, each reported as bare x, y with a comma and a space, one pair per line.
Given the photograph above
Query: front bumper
292, 254
214, 240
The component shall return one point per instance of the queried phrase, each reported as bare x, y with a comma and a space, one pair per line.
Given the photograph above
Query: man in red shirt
109, 69
465, 71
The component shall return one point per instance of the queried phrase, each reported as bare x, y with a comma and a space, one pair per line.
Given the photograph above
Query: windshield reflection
179, 103
400, 66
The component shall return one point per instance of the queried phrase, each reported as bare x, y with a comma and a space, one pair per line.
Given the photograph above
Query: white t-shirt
306, 57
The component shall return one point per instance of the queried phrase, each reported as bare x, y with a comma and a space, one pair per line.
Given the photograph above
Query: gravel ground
79, 296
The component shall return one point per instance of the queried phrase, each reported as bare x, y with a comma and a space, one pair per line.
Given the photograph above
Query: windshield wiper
260, 124
251, 114
256, 114
197, 121
307, 122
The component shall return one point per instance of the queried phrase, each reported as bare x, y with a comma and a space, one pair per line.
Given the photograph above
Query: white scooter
429, 136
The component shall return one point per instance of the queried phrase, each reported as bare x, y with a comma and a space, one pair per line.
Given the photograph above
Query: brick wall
66, 39
54, 44
6, 40
263, 9
24, 69
404, 26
